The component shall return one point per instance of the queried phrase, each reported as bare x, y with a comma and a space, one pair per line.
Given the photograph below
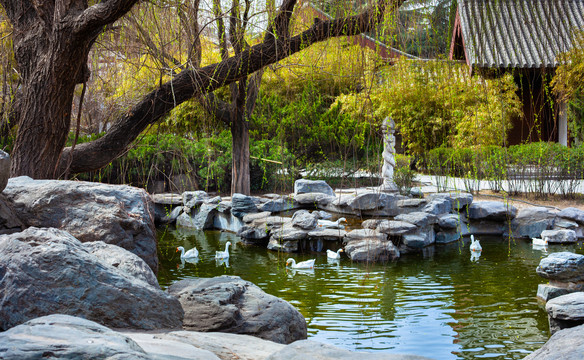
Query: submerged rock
52, 272
230, 304
116, 214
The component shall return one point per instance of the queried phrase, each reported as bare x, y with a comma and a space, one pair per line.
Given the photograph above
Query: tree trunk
240, 146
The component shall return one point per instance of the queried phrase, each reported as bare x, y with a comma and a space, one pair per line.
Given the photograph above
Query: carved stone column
388, 128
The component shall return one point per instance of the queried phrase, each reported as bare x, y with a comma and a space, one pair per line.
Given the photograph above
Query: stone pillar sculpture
388, 128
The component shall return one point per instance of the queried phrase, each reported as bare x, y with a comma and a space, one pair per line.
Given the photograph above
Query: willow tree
52, 40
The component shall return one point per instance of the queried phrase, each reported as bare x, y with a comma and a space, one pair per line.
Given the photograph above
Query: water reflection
438, 304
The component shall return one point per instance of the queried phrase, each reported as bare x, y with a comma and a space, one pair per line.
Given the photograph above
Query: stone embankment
389, 225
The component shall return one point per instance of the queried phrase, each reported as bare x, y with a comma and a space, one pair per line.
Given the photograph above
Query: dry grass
527, 200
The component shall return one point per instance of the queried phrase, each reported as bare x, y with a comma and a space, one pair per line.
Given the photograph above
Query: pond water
439, 304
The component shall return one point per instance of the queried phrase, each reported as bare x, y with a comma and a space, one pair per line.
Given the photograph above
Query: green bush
538, 168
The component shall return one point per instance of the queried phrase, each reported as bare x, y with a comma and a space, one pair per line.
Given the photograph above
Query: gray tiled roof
518, 33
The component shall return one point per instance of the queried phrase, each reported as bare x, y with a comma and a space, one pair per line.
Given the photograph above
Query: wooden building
524, 37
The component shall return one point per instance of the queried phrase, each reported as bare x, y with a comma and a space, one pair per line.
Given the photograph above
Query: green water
439, 304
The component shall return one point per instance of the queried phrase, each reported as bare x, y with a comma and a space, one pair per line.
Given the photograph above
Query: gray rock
559, 236
230, 304
68, 279
204, 216
564, 224
273, 221
288, 232
573, 214
9, 222
446, 237
547, 292
327, 234
417, 192
371, 201
197, 345
4, 169
185, 220
123, 260
491, 210
486, 227
449, 221
224, 206
439, 205
167, 199
314, 199
256, 216
530, 222
320, 214
360, 234
562, 266
371, 223
565, 311
279, 205
278, 244
253, 233
312, 350
165, 214
303, 186
66, 337
371, 250
423, 237
192, 199
411, 203
116, 214
458, 199
304, 220
242, 204
567, 344
394, 227
418, 218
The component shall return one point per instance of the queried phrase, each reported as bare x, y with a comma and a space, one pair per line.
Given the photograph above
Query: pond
440, 304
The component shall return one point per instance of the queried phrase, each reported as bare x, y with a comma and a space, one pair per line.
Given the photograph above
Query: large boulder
242, 204
312, 350
531, 221
567, 344
491, 210
303, 186
565, 311
559, 236
573, 214
369, 246
418, 218
52, 272
4, 169
280, 204
116, 214
9, 222
458, 200
304, 220
395, 227
438, 206
230, 304
66, 337
562, 266
371, 201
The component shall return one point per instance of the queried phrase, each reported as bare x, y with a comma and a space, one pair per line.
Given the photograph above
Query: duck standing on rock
334, 255
475, 245
308, 264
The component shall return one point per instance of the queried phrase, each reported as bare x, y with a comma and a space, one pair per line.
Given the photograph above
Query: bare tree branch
190, 83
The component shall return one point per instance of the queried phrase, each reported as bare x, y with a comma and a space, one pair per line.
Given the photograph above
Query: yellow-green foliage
569, 78
436, 103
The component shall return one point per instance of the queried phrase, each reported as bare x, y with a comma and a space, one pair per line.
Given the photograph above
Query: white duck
308, 264
539, 242
327, 224
223, 254
334, 255
192, 253
475, 245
